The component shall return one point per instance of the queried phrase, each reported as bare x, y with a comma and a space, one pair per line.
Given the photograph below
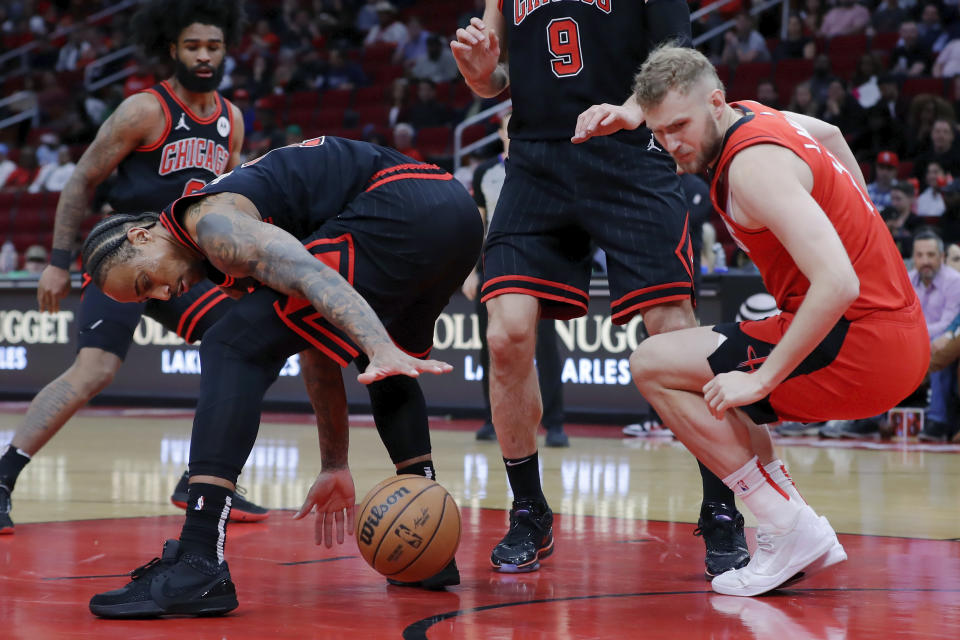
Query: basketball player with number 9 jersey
564, 193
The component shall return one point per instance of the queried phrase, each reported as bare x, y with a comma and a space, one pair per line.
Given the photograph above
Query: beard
709, 151
197, 84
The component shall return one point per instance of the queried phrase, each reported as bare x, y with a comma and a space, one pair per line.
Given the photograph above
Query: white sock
765, 499
778, 473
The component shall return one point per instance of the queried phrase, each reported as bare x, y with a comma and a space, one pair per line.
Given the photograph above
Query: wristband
61, 258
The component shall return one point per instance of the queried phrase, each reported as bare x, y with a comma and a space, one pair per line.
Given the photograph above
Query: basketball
408, 528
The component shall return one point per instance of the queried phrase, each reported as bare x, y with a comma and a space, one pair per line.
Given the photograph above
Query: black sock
524, 476
713, 488
208, 510
12, 463
424, 469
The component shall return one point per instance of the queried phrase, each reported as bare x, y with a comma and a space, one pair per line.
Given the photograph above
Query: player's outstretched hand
334, 498
604, 119
733, 389
390, 361
476, 50
53, 287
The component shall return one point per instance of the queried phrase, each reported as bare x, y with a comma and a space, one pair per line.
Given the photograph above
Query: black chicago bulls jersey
301, 186
569, 55
190, 153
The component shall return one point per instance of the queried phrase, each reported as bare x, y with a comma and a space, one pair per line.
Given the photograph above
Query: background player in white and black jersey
571, 65
167, 140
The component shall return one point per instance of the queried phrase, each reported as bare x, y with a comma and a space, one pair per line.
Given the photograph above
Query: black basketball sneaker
449, 576
173, 584
242, 510
6, 503
529, 539
721, 526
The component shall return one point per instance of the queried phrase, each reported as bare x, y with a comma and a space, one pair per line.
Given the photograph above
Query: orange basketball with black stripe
408, 528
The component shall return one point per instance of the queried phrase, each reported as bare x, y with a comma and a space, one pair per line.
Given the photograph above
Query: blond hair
671, 67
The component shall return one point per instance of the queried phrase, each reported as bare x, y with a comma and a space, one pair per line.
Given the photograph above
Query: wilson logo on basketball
377, 512
193, 153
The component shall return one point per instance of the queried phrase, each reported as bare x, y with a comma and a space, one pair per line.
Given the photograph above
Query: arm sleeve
477, 181
668, 20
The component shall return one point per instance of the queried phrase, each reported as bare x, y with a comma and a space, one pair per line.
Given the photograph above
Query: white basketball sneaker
835, 555
780, 555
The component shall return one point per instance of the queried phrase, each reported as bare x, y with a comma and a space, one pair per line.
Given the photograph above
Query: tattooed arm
138, 120
241, 246
235, 241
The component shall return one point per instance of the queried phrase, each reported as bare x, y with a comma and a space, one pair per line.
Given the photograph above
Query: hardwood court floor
94, 505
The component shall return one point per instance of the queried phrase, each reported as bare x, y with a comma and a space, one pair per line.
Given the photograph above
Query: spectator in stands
947, 64
48, 149
888, 16
142, 78
713, 258
802, 101
767, 93
341, 73
842, 109
890, 100
76, 49
909, 57
53, 177
300, 33
388, 29
241, 98
932, 35
25, 173
822, 77
930, 203
939, 293
942, 148
403, 141
881, 133
367, 17
743, 43
925, 109
7, 166
414, 46
812, 15
866, 87
34, 261
901, 237
8, 257
797, 44
884, 176
398, 98
950, 220
846, 18
952, 259
263, 40
902, 196
427, 111
437, 64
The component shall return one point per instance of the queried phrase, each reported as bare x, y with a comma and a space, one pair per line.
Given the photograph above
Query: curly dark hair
160, 22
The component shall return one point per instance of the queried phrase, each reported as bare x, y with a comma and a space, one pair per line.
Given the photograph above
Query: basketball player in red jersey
791, 193
165, 141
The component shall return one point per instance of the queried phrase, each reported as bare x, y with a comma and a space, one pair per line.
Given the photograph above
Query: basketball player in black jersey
567, 62
296, 228
164, 142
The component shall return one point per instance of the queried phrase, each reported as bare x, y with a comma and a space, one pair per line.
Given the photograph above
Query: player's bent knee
667, 317
646, 363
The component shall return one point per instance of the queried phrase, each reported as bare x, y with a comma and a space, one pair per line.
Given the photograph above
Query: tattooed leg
56, 403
